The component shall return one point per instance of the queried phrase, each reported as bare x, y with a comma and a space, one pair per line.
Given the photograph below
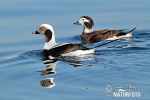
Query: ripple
34, 54
84, 60
123, 46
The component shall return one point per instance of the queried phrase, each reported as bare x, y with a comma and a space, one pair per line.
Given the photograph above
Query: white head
83, 20
87, 22
45, 27
48, 32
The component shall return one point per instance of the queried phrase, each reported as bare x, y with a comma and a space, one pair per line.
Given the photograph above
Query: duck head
48, 32
87, 22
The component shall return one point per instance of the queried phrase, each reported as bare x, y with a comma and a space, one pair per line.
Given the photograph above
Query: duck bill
77, 23
36, 32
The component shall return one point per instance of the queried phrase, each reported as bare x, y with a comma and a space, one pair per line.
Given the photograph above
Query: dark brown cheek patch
48, 35
88, 24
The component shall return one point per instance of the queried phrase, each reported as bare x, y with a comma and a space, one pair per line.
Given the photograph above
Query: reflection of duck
47, 83
53, 50
95, 36
50, 67
50, 70
74, 61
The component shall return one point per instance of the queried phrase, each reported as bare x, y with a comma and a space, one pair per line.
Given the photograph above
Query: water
123, 63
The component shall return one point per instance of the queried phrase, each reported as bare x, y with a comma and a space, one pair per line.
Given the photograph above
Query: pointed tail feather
132, 30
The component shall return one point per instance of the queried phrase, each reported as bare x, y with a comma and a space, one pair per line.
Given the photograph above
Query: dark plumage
63, 49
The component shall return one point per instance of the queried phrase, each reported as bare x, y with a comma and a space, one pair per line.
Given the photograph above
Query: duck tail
132, 30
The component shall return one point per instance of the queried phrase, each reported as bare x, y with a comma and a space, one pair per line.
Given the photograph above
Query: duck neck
49, 44
88, 30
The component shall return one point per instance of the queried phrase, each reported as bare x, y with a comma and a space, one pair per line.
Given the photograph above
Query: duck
52, 49
92, 36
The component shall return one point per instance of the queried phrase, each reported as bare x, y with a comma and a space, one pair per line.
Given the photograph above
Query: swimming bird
53, 49
96, 36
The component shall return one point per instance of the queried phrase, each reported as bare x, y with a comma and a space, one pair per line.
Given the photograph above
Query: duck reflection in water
47, 83
50, 67
52, 63
50, 70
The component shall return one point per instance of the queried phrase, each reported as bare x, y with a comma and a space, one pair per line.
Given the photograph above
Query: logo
122, 91
108, 88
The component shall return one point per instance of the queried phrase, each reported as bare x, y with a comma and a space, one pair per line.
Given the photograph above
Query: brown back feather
100, 35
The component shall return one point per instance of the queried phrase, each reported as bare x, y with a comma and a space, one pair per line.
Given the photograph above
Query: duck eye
42, 28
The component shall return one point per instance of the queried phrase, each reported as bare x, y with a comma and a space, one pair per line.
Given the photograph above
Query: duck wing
100, 35
66, 48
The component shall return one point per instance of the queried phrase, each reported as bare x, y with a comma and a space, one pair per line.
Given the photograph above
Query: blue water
123, 63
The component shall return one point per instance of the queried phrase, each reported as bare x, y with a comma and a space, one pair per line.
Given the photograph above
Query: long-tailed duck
53, 49
96, 36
